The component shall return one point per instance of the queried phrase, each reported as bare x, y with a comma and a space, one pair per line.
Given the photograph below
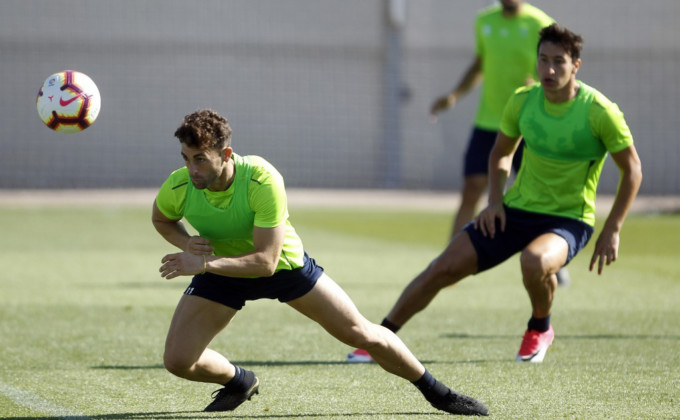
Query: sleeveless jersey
256, 198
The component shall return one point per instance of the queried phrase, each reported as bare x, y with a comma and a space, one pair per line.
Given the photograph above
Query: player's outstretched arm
607, 245
471, 78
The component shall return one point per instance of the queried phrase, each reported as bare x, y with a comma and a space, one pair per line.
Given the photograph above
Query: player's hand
441, 104
181, 264
199, 246
606, 250
486, 219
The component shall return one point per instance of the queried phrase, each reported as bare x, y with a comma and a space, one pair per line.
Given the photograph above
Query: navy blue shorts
522, 227
478, 151
284, 285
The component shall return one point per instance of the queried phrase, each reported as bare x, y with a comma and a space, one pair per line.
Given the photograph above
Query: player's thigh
329, 306
195, 323
548, 252
457, 261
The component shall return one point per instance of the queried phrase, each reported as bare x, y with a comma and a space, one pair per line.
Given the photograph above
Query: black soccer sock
237, 381
539, 324
431, 388
390, 325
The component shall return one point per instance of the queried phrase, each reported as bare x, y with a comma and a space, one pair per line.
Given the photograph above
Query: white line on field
32, 401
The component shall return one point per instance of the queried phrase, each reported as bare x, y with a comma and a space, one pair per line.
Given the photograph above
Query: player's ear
226, 153
577, 64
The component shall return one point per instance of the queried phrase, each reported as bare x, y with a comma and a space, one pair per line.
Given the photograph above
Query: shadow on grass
304, 363
203, 415
136, 285
568, 336
238, 362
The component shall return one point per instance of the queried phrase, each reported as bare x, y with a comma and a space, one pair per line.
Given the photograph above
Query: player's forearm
262, 262
470, 79
499, 171
498, 177
255, 264
629, 185
500, 164
173, 232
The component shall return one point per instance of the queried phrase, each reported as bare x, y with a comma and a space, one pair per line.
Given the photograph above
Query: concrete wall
302, 82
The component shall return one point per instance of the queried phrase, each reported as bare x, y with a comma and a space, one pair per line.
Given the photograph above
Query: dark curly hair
205, 129
560, 35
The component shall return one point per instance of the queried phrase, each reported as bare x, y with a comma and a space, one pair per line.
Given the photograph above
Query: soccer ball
68, 101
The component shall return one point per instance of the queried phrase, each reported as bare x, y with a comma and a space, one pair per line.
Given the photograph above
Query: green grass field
84, 314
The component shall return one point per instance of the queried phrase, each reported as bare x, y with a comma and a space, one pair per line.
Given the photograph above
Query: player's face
556, 69
206, 167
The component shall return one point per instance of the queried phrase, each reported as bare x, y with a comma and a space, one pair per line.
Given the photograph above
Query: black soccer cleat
227, 399
456, 403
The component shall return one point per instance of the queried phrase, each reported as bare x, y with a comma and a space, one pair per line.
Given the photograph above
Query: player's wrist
495, 201
205, 264
187, 242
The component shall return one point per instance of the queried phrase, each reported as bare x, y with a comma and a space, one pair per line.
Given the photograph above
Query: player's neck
510, 13
226, 177
565, 94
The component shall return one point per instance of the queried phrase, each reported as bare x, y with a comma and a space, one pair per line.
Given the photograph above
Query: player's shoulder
602, 110
173, 193
259, 163
262, 169
526, 90
520, 96
178, 178
535, 12
597, 98
488, 12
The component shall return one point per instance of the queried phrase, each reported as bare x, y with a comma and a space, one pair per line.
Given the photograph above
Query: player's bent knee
176, 364
364, 336
534, 264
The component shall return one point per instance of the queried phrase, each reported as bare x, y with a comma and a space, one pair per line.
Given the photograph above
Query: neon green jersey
257, 197
507, 47
565, 148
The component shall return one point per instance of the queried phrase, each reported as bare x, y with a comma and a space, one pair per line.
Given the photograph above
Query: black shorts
284, 285
478, 151
522, 227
